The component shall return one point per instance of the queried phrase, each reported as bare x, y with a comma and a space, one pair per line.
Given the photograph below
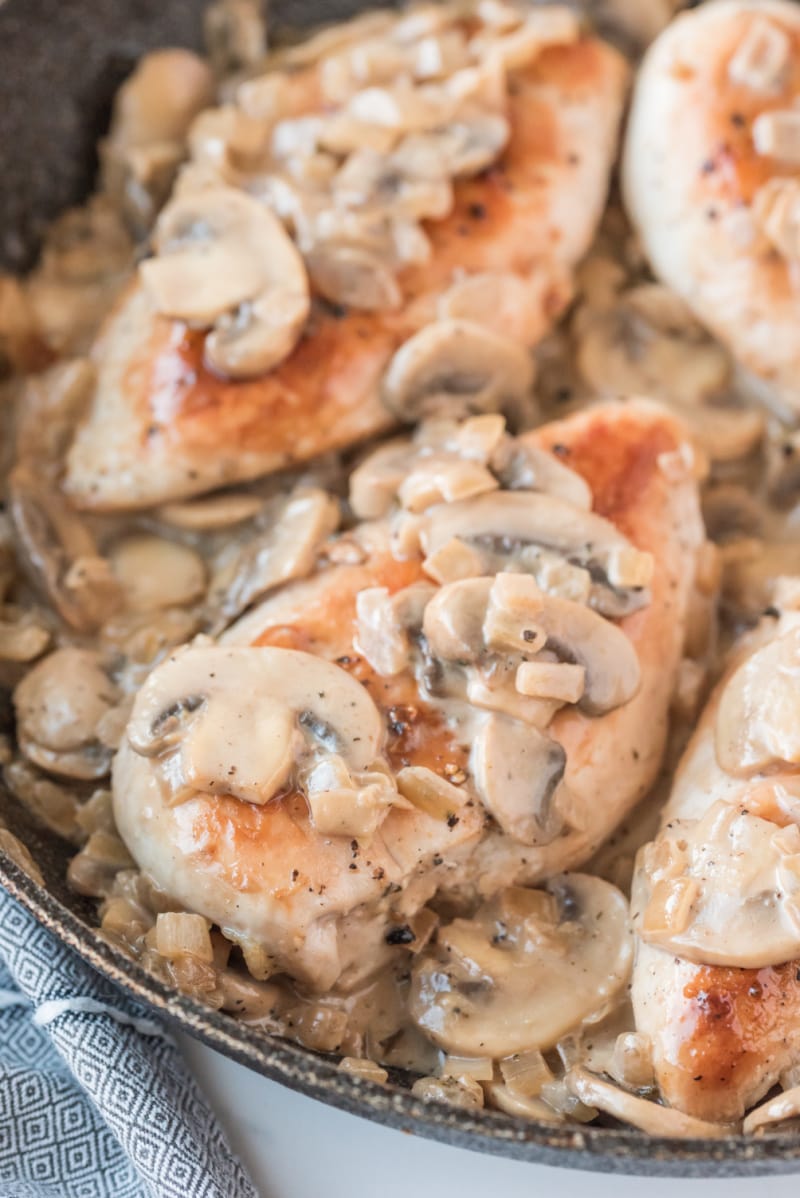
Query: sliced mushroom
510, 527
48, 409
455, 560
521, 466
777, 1109
758, 719
731, 511
215, 512
562, 682
55, 804
353, 276
152, 113
259, 334
375, 482
456, 367
444, 461
454, 618
297, 526
223, 259
530, 966
21, 638
518, 771
86, 260
469, 617
649, 344
155, 573
464, 145
411, 181
59, 705
237, 720
648, 1116
159, 100
724, 890
402, 107
430, 793
225, 143
59, 554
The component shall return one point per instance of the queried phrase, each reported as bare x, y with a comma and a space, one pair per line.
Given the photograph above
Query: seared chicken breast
166, 422
471, 691
716, 897
711, 177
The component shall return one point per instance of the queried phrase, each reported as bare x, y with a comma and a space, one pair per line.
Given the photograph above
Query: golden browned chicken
711, 177
178, 409
717, 978
472, 691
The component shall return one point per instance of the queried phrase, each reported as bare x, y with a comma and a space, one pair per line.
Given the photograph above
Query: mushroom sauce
382, 649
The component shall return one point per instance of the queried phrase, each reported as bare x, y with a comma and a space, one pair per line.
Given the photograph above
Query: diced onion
368, 1071
181, 934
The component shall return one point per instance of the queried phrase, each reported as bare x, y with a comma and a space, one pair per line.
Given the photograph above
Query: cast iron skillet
60, 62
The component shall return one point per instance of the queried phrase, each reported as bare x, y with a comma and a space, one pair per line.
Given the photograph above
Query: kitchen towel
95, 1101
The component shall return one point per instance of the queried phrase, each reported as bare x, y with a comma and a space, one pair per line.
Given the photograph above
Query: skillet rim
598, 1149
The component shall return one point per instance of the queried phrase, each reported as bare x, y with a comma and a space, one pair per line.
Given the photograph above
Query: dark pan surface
60, 62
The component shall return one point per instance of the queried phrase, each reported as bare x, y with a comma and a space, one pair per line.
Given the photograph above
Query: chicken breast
162, 425
711, 177
637, 461
717, 977
444, 706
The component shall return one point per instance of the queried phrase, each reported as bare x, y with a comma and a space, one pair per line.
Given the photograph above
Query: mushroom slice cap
522, 517
777, 1109
155, 572
233, 720
518, 770
723, 890
258, 335
374, 483
287, 549
529, 967
521, 466
353, 276
59, 705
453, 620
758, 719
456, 367
506, 525
465, 145
595, 1091
211, 513
208, 254
474, 614
57, 551
224, 257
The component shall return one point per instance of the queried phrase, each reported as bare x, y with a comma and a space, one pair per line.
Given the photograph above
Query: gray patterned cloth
95, 1101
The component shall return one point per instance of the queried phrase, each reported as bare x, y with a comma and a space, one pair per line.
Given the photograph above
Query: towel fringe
46, 1012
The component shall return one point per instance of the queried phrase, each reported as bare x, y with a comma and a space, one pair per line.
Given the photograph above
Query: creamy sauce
115, 595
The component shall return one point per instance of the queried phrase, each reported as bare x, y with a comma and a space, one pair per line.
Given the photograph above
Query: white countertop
297, 1148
